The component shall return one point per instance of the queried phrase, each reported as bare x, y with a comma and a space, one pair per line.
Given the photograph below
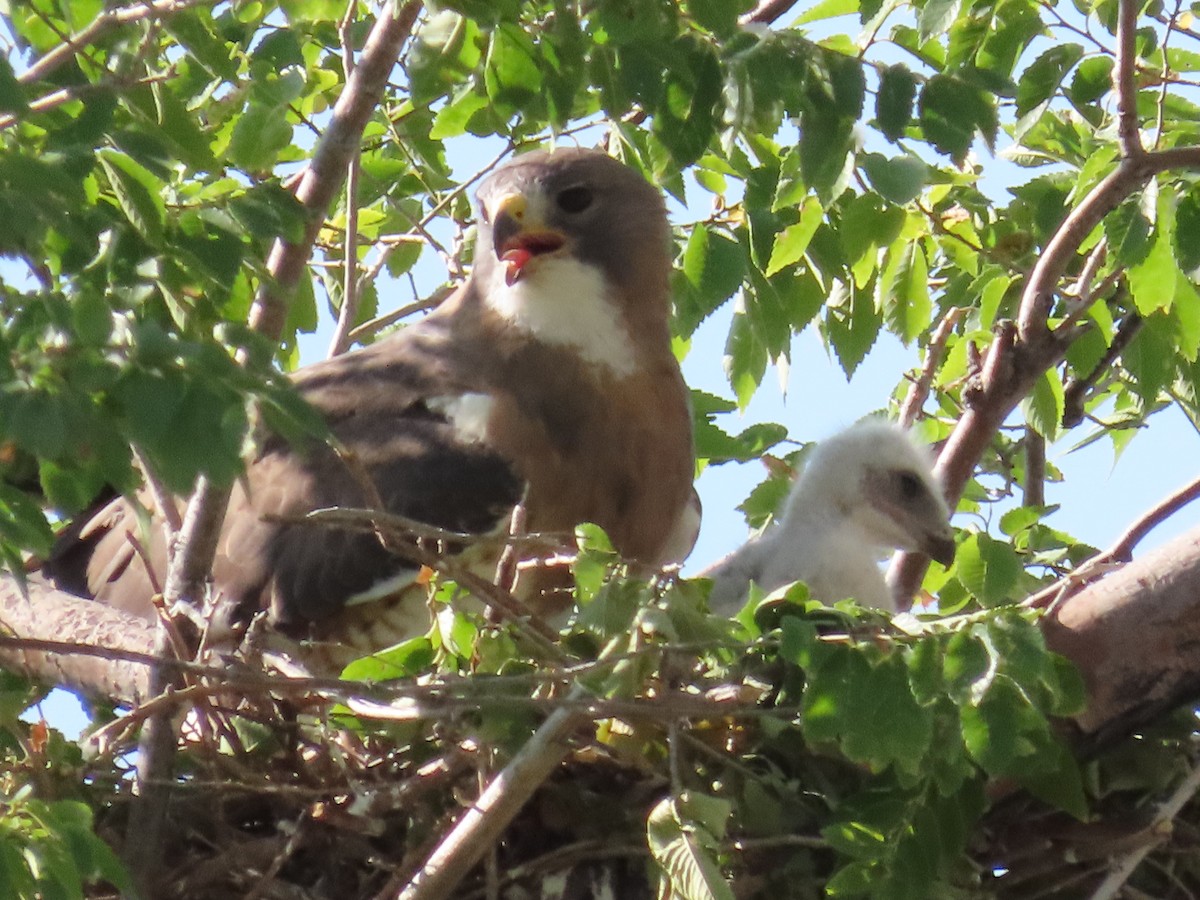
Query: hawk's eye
575, 199
910, 485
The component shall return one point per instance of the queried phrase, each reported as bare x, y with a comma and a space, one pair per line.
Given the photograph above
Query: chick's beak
940, 546
519, 235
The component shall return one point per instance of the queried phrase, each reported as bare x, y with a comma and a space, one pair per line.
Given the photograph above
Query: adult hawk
547, 379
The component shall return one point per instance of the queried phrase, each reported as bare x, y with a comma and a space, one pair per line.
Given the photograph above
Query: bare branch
1076, 390
484, 821
1035, 468
104, 22
1155, 834
366, 329
1155, 599
918, 391
767, 12
323, 178
340, 342
1125, 81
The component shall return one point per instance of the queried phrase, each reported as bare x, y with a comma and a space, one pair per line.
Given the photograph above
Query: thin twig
1077, 389
1121, 550
1156, 833
1035, 468
105, 21
366, 329
350, 294
918, 391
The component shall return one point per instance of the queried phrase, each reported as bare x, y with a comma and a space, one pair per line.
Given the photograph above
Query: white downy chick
865, 491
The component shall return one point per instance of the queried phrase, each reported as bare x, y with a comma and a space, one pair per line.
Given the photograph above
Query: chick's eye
575, 199
910, 485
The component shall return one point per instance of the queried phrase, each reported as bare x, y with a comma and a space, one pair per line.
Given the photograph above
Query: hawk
547, 379
864, 491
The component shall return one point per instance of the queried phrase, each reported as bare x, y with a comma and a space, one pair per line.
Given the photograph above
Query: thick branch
46, 614
483, 823
1135, 636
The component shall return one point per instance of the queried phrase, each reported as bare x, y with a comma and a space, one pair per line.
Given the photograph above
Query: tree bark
1135, 636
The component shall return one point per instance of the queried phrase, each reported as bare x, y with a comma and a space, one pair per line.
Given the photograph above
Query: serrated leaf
952, 112
1044, 75
1043, 407
745, 359
791, 243
894, 101
904, 290
851, 325
138, 193
826, 9
1152, 281
686, 852
1187, 231
1127, 231
936, 18
869, 710
988, 568
1092, 80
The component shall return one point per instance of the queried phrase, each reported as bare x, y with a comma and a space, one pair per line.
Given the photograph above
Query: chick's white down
865, 491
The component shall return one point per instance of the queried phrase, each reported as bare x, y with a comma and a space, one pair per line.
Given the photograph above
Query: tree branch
1011, 371
194, 552
918, 391
1156, 833
1135, 636
324, 176
104, 22
340, 342
482, 824
1076, 390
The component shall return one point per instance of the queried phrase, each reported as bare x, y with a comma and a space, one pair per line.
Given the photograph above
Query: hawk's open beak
518, 235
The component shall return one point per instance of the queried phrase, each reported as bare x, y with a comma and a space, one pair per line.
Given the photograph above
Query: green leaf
904, 290
1187, 231
1151, 356
718, 16
900, 179
826, 9
1044, 75
869, 710
686, 851
936, 18
952, 112
259, 136
713, 267
404, 660
22, 522
12, 95
988, 568
138, 193
1152, 281
745, 359
1092, 80
1127, 231
894, 101
826, 137
852, 322
791, 243
1043, 407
